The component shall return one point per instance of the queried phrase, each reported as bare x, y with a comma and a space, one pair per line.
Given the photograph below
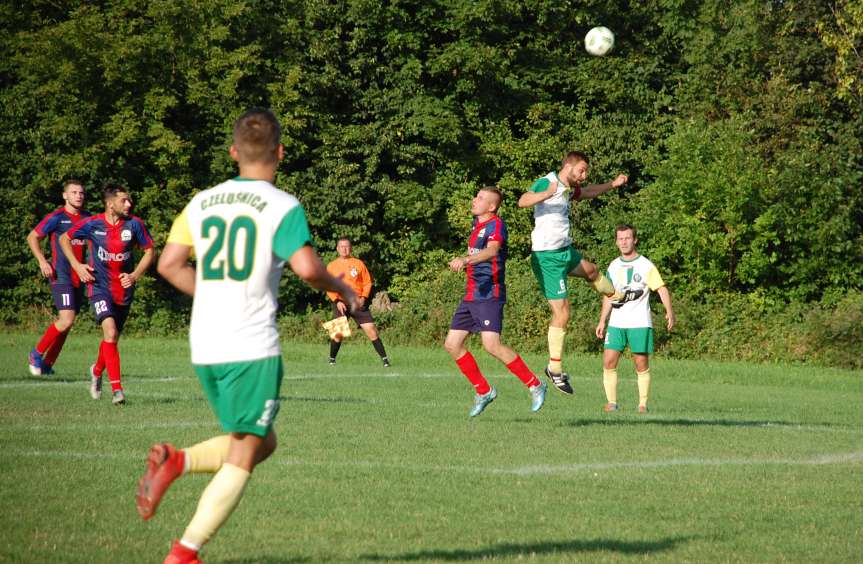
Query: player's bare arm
594, 190
128, 279
530, 199
665, 298
488, 253
85, 271
603, 317
33, 241
306, 264
174, 266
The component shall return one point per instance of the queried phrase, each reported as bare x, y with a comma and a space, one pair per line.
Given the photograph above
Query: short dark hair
496, 191
70, 182
111, 190
256, 136
626, 227
340, 239
574, 157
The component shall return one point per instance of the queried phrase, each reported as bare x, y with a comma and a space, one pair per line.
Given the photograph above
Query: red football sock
468, 367
51, 334
100, 363
54, 351
522, 372
109, 352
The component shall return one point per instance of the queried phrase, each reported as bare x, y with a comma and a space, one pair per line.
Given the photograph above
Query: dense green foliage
735, 463
739, 123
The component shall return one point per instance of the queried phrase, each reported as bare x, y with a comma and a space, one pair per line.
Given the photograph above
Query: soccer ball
599, 41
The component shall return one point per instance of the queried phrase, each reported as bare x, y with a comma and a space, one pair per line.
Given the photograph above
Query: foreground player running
242, 232
481, 310
66, 287
110, 277
553, 256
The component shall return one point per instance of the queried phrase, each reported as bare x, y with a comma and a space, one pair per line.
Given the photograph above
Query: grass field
735, 463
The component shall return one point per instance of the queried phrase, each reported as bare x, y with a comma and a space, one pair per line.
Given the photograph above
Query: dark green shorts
551, 269
640, 340
244, 395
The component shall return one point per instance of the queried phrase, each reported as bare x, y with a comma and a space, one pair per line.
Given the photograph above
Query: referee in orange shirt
354, 273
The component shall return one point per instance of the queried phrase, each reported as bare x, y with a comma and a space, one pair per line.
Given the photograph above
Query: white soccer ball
599, 41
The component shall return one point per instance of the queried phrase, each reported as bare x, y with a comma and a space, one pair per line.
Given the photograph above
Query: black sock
379, 347
334, 349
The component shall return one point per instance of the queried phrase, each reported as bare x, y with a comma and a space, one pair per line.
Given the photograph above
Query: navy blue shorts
478, 316
104, 307
67, 296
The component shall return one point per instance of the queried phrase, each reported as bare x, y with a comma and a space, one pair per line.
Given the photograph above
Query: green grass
736, 463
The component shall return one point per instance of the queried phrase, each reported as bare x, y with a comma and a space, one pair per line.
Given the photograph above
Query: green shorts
551, 269
244, 395
640, 339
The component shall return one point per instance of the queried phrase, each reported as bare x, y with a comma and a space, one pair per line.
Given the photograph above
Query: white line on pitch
532, 470
81, 382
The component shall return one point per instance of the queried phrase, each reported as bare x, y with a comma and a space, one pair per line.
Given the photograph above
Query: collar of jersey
242, 179
630, 260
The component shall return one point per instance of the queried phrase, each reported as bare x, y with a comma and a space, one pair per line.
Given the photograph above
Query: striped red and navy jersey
53, 226
485, 280
110, 253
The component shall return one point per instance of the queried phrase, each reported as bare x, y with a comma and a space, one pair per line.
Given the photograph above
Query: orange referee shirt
354, 273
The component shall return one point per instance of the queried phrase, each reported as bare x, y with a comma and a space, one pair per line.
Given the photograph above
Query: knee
63, 324
268, 447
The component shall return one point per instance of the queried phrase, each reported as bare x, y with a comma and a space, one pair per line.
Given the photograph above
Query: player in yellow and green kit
554, 258
242, 233
631, 323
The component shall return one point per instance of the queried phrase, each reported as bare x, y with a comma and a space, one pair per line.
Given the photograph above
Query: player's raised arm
533, 197
594, 190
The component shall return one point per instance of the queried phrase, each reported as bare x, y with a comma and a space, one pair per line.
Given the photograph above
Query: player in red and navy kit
66, 287
109, 276
481, 310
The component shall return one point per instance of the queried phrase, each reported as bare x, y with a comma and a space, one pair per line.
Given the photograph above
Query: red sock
522, 372
468, 367
109, 352
54, 351
100, 363
51, 334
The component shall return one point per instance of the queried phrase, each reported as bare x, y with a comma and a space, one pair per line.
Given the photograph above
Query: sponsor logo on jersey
126, 235
78, 242
100, 233
637, 277
105, 256
481, 232
354, 272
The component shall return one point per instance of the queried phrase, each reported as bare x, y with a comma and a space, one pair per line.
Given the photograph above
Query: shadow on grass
684, 422
566, 549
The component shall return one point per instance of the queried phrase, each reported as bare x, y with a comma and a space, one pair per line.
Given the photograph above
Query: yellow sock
217, 503
643, 386
609, 381
208, 456
555, 348
603, 286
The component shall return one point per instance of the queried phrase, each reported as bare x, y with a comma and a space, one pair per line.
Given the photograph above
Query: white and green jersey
242, 232
551, 217
637, 273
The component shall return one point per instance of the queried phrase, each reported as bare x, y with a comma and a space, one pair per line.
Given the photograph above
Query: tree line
739, 123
